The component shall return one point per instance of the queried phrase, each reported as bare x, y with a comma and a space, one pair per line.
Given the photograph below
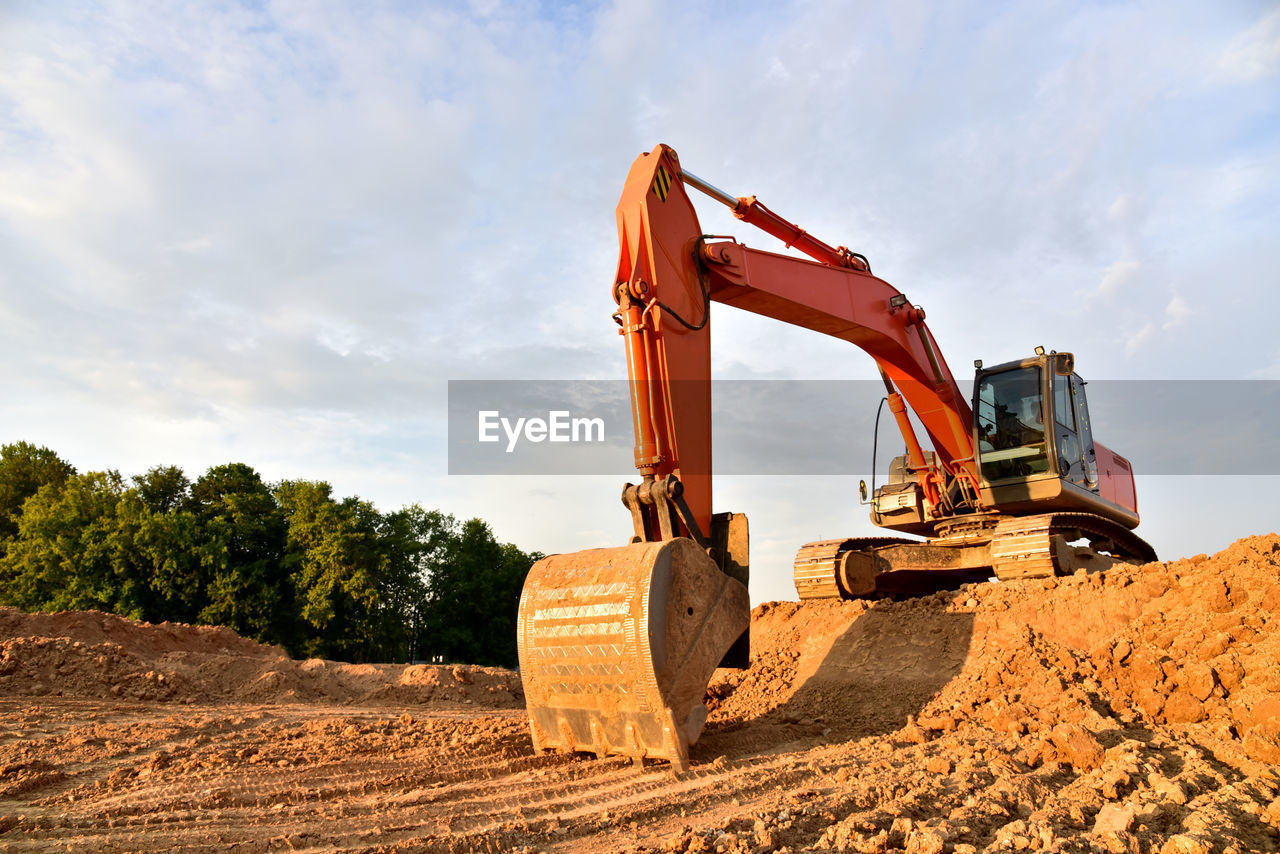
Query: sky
273, 232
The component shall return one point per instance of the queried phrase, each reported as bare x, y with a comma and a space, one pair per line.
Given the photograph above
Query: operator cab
1035, 448
1035, 442
1013, 403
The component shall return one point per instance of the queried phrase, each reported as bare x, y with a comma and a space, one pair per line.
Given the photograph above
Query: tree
287, 564
179, 558
335, 564
473, 594
164, 489
73, 552
24, 468
242, 535
410, 539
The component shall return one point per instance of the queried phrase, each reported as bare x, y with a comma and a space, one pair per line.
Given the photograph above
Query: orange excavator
617, 645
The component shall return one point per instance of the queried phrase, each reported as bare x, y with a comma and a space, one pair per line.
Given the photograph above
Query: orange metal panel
854, 306
658, 233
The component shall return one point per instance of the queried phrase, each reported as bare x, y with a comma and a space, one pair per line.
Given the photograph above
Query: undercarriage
971, 548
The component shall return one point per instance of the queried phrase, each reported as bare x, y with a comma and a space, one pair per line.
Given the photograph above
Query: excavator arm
668, 275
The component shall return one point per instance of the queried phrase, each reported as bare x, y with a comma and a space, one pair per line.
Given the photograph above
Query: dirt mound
1188, 642
144, 639
858, 668
89, 654
1136, 709
1191, 642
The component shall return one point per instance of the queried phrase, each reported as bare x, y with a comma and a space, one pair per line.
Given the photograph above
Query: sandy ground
1136, 710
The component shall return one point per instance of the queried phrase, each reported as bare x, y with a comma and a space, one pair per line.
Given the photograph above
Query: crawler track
1038, 546
817, 564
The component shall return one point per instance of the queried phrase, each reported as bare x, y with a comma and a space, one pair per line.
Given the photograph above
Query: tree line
284, 563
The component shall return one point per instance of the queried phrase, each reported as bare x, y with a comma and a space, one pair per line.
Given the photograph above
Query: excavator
617, 645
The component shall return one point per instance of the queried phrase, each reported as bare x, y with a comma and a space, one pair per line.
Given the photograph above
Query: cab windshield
1010, 418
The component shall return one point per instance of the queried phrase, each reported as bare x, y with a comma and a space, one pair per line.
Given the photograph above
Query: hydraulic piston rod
749, 209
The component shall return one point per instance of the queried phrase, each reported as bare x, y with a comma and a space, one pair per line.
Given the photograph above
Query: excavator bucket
617, 646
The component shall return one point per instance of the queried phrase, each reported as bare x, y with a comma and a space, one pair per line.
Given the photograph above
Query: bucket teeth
617, 646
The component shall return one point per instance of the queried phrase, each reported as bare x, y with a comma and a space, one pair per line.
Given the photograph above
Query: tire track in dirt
205, 770
125, 789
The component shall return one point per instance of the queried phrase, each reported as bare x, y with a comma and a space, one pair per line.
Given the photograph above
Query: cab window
1010, 420
1063, 411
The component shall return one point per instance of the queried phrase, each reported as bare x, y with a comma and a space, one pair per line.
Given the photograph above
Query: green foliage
75, 550
243, 536
284, 563
337, 566
411, 538
178, 559
163, 489
24, 468
473, 593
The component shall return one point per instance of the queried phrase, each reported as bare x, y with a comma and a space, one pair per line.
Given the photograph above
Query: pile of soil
88, 654
1191, 644
1188, 642
860, 666
1136, 709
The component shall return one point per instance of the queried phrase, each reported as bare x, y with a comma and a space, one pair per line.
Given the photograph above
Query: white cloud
195, 244
1133, 343
1176, 312
1254, 55
1121, 208
1116, 277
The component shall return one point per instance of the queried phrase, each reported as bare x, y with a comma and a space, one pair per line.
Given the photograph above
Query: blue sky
272, 232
